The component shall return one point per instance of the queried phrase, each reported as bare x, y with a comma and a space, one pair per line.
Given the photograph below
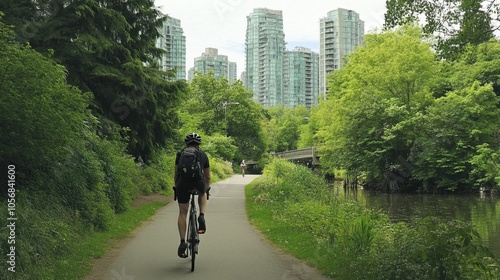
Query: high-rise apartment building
243, 78
300, 77
211, 60
264, 49
233, 72
340, 32
172, 40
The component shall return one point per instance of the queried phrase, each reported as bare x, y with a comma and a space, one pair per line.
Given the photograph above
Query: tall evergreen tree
106, 47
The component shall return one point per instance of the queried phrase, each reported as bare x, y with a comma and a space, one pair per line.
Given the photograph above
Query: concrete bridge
308, 156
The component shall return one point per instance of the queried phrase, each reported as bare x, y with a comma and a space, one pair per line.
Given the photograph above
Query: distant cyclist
243, 166
183, 186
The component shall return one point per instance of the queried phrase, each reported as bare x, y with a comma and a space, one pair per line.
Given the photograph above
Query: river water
482, 210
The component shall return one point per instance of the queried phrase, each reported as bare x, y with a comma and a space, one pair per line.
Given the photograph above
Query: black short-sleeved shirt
182, 188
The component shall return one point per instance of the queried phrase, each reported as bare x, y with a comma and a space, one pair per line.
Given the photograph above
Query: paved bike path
230, 249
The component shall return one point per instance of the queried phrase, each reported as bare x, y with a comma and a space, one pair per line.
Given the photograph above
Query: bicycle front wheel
193, 240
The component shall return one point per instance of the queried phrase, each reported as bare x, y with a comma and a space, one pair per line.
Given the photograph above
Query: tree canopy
39, 111
227, 113
284, 126
399, 119
456, 23
108, 49
384, 83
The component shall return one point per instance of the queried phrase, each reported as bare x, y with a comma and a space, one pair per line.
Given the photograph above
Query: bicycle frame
193, 236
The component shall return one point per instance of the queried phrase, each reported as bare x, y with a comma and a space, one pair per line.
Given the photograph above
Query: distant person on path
199, 179
243, 166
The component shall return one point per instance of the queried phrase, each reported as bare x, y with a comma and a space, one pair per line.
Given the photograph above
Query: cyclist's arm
206, 173
176, 167
175, 173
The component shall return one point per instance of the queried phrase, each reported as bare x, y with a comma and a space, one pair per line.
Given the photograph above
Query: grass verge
79, 263
295, 242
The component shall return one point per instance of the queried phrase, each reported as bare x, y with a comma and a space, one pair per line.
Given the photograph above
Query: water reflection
482, 210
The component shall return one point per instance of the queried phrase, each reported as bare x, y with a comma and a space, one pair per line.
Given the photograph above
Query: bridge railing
307, 154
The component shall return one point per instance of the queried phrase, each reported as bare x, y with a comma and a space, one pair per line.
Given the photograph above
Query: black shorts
182, 189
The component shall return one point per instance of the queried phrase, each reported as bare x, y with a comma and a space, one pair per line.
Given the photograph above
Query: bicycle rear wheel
193, 240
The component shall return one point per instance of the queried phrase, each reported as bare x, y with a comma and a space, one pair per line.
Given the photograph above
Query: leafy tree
221, 146
283, 127
478, 64
394, 64
23, 15
366, 125
457, 131
47, 133
486, 166
308, 131
455, 22
106, 46
216, 107
39, 111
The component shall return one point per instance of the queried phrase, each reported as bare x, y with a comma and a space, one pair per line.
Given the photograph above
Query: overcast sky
222, 24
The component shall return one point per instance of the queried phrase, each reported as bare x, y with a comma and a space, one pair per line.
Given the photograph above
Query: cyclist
182, 192
243, 167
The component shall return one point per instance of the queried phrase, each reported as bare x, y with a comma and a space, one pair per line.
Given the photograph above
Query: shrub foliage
351, 242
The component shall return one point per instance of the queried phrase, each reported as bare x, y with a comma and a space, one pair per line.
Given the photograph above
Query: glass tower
172, 40
264, 49
340, 32
300, 76
211, 60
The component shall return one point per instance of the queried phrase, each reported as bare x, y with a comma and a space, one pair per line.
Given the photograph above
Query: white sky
222, 24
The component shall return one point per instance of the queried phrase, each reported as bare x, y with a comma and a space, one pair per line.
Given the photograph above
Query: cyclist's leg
182, 225
183, 202
181, 221
202, 196
202, 202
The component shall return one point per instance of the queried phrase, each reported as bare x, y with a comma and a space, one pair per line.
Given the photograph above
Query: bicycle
193, 237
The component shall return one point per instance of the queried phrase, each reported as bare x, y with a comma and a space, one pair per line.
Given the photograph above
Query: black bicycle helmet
192, 138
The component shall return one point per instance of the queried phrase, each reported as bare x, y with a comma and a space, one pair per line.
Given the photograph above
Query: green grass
290, 239
79, 263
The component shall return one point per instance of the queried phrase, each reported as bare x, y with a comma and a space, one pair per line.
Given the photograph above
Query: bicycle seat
193, 191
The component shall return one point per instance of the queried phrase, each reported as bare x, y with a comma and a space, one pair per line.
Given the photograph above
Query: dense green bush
70, 182
352, 242
42, 116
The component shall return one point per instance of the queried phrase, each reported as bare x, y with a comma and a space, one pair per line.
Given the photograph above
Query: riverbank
482, 210
345, 240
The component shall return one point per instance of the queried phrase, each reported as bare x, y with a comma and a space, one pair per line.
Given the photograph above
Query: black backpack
189, 167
